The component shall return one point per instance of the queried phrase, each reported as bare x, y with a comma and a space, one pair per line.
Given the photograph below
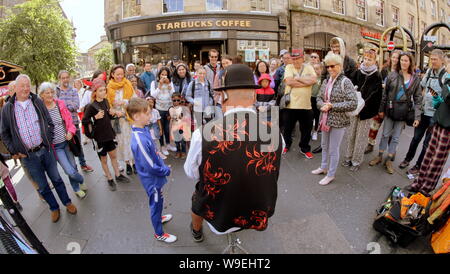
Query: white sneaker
83, 187
162, 156
319, 171
166, 218
325, 181
314, 136
164, 151
171, 148
166, 237
81, 194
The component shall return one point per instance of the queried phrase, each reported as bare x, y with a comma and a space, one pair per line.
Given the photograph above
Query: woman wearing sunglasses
337, 96
396, 103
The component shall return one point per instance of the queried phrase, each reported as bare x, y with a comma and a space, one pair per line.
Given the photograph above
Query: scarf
368, 70
113, 86
323, 121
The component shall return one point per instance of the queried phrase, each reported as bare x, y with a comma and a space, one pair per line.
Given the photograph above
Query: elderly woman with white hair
64, 132
337, 96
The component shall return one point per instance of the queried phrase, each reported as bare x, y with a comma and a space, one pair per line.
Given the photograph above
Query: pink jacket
66, 116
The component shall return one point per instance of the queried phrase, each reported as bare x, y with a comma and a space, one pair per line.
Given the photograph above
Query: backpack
440, 77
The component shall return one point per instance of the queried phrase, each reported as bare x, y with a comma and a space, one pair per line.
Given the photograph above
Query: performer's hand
69, 136
416, 123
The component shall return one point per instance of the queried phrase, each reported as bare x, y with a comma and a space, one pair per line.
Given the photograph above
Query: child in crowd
134, 81
180, 124
155, 127
97, 124
4, 172
150, 167
265, 96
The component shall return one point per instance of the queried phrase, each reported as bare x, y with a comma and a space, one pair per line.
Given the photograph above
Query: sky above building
88, 19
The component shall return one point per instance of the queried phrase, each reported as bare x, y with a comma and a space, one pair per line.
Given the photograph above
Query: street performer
235, 162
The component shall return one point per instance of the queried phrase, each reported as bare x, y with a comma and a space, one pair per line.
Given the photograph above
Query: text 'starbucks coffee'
225, 23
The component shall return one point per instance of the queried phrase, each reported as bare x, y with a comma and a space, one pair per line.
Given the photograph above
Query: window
411, 23
260, 5
312, 4
339, 6
443, 15
380, 13
395, 15
422, 4
216, 4
172, 6
423, 27
433, 8
131, 8
361, 10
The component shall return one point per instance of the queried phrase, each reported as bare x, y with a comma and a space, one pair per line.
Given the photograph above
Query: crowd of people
136, 119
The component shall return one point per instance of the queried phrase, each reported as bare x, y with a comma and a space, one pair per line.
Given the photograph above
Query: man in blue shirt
147, 77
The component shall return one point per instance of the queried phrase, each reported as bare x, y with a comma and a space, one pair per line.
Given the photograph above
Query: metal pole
20, 221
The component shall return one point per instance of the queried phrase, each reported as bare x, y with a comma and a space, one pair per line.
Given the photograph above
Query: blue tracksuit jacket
150, 167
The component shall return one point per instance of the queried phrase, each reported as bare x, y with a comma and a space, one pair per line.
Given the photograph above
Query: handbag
361, 102
403, 110
74, 143
286, 98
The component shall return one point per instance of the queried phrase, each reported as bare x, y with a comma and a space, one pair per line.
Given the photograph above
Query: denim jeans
181, 146
81, 157
66, 160
39, 164
391, 129
165, 123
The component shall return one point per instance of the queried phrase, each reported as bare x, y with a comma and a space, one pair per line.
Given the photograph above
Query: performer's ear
224, 96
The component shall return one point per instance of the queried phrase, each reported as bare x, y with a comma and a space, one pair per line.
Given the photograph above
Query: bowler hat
238, 76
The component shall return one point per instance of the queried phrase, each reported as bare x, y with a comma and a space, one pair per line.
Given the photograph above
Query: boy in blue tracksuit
150, 167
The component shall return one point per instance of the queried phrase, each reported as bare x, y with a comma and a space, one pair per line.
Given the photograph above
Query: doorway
198, 51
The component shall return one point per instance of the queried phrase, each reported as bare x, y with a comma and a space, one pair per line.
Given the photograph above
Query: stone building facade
156, 30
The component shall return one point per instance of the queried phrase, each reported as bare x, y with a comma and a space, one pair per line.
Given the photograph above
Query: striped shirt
72, 101
28, 123
60, 130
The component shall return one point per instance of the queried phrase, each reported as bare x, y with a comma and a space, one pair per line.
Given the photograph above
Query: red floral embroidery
259, 219
209, 214
240, 221
263, 161
223, 137
214, 180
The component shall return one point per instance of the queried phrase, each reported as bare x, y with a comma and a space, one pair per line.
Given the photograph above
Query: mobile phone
433, 92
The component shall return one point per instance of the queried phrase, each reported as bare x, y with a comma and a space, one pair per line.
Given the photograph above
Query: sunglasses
176, 100
214, 57
331, 67
315, 57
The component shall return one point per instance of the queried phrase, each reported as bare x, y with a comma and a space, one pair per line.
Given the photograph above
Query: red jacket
265, 95
66, 116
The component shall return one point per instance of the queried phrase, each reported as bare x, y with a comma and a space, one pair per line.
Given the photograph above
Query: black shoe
347, 163
404, 164
19, 206
112, 185
122, 179
134, 169
317, 150
197, 235
369, 149
129, 170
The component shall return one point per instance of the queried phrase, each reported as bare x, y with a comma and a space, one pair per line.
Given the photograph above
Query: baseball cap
297, 53
283, 52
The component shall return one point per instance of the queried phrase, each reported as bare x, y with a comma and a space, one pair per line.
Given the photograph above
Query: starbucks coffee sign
204, 24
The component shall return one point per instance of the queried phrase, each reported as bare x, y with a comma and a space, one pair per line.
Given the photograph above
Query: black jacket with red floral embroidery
238, 173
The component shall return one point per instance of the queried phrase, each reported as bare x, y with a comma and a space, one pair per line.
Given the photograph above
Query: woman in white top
162, 90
